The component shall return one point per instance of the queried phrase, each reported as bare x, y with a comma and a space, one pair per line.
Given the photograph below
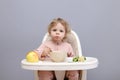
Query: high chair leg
60, 75
36, 75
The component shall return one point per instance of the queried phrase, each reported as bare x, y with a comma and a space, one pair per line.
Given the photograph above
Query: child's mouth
56, 37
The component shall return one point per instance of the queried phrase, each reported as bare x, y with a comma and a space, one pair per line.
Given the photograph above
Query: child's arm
43, 51
70, 52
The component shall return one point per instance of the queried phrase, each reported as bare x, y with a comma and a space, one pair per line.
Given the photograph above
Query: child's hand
47, 50
43, 56
45, 53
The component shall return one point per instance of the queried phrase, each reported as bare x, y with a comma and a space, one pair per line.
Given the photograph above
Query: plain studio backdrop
23, 24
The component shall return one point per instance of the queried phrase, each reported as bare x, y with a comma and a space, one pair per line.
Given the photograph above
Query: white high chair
73, 39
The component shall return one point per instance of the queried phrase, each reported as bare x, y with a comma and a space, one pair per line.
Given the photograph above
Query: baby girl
57, 29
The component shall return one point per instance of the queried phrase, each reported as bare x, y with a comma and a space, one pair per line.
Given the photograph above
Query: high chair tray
90, 63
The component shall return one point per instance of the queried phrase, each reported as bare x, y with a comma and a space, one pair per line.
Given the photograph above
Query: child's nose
57, 33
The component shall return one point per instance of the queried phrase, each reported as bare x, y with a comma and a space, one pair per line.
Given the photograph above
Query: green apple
32, 57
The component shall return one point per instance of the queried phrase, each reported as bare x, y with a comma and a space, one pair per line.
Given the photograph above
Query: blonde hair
63, 22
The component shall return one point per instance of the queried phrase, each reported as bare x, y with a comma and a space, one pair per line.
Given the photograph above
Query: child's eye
61, 30
54, 29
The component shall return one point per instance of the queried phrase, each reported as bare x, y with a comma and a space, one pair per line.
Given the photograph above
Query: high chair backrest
71, 38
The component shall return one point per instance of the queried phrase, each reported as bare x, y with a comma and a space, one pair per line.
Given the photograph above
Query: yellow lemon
32, 57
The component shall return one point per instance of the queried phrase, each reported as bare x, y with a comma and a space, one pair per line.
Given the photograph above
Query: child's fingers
47, 50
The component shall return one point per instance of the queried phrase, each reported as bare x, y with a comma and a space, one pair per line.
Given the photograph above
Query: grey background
23, 24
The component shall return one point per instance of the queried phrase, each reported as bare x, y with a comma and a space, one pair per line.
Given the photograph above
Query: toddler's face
57, 32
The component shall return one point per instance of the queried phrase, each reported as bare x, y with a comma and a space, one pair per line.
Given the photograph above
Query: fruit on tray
79, 59
32, 57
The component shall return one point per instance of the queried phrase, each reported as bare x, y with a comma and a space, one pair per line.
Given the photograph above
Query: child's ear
49, 33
